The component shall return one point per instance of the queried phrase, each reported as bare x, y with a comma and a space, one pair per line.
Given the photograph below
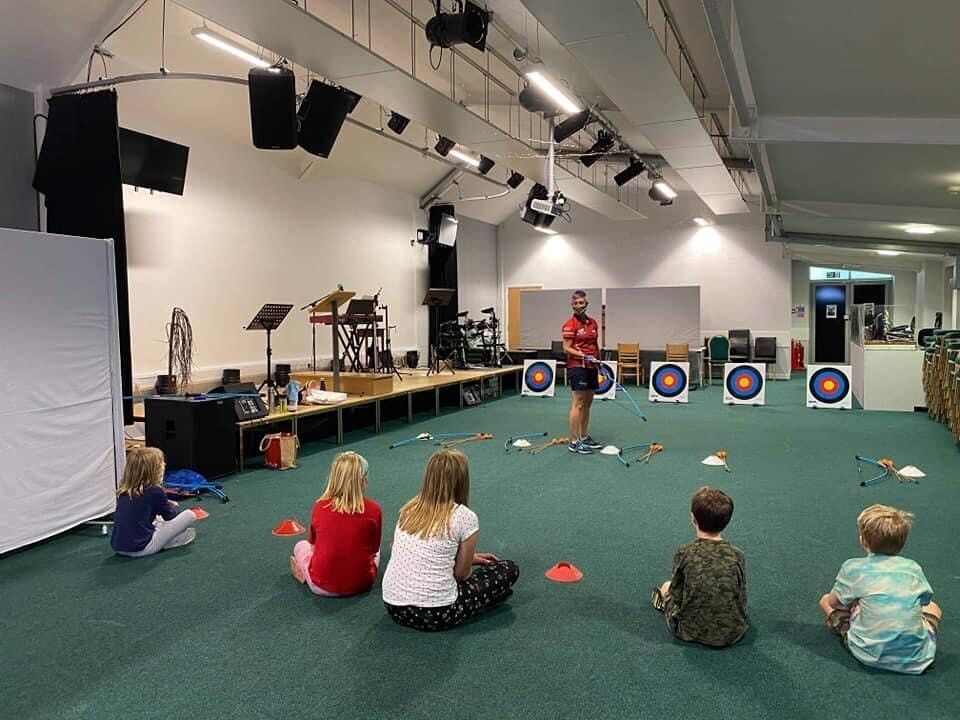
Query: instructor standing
580, 335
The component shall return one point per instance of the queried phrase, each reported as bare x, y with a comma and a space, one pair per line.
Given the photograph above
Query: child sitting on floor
881, 604
341, 554
706, 599
429, 583
137, 532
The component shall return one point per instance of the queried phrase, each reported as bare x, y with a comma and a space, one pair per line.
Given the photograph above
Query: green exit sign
833, 274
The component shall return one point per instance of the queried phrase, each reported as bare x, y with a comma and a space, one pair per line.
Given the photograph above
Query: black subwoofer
198, 435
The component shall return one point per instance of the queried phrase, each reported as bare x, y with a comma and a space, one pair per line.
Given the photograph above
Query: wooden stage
378, 389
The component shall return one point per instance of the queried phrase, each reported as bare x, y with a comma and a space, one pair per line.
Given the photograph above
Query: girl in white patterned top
430, 582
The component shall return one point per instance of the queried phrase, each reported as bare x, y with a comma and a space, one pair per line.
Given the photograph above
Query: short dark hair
578, 294
712, 509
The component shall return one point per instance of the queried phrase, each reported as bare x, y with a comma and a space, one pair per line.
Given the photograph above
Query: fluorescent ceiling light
222, 43
664, 189
701, 222
920, 229
463, 157
889, 252
544, 230
554, 93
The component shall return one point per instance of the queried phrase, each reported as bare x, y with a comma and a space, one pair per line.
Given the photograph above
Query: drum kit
459, 337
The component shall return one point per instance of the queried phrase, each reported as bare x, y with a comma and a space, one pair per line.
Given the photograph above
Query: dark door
830, 333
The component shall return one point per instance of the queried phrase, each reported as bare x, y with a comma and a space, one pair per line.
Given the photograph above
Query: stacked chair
941, 378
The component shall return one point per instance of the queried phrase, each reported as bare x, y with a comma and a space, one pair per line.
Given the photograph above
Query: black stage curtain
78, 172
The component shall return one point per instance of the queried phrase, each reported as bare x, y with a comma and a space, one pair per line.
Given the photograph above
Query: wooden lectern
331, 303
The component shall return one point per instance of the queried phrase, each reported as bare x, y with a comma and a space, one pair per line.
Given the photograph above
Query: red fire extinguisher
796, 355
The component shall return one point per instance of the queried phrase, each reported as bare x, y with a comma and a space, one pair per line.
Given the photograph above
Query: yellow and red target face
669, 380
538, 377
744, 382
829, 385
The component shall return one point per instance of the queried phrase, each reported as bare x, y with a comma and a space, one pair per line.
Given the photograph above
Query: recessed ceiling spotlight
701, 222
891, 253
920, 229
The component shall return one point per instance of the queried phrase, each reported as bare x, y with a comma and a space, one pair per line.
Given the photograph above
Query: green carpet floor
220, 630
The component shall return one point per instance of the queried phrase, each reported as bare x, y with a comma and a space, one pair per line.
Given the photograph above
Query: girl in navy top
145, 521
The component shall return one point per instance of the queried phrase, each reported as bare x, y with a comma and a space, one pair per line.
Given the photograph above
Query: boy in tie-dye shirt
881, 604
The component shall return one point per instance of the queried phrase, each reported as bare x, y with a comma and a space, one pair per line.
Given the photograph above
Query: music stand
269, 318
435, 299
331, 303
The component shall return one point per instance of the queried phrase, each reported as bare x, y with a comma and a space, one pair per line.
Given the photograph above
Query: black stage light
444, 146
573, 124
514, 180
467, 26
600, 148
487, 311
486, 165
662, 192
631, 171
398, 123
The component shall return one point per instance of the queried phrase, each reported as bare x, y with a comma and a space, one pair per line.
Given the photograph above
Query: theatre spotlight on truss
467, 26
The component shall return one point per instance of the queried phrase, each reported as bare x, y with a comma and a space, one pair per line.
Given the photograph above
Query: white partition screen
543, 313
653, 316
61, 422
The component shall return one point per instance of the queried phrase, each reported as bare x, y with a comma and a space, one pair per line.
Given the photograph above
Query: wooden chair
628, 362
678, 352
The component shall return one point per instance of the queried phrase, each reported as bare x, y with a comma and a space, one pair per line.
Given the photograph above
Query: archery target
539, 377
606, 380
744, 383
828, 386
668, 381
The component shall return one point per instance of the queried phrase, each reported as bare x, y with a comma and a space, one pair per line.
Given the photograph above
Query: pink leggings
302, 552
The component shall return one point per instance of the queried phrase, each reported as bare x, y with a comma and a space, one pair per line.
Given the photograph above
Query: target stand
829, 386
669, 382
744, 384
606, 380
539, 378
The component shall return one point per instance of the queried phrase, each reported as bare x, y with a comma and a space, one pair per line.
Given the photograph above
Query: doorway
829, 322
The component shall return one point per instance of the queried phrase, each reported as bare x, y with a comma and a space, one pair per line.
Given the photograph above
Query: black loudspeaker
273, 108
198, 435
321, 116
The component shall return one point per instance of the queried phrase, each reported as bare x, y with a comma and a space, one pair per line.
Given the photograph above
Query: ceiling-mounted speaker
321, 116
273, 108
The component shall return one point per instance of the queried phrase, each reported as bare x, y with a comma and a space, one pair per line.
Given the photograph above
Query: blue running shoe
578, 447
590, 443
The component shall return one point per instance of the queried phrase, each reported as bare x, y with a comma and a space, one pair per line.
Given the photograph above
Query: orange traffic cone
564, 572
290, 526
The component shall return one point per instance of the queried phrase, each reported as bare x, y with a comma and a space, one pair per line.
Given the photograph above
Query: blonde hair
345, 483
446, 483
143, 470
884, 529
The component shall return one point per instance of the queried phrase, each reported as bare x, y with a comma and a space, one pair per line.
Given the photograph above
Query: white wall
744, 281
247, 231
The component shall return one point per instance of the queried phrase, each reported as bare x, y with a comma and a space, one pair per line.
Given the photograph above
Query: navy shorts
583, 378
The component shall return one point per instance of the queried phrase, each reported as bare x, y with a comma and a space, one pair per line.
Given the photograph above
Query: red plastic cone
564, 572
290, 526
199, 512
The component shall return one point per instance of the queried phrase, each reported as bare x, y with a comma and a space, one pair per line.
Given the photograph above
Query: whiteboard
543, 313
653, 316
61, 428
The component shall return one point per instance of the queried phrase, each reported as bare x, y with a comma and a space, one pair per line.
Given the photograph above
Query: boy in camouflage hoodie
706, 599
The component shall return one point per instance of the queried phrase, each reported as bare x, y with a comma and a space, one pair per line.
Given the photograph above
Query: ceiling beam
838, 129
775, 234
